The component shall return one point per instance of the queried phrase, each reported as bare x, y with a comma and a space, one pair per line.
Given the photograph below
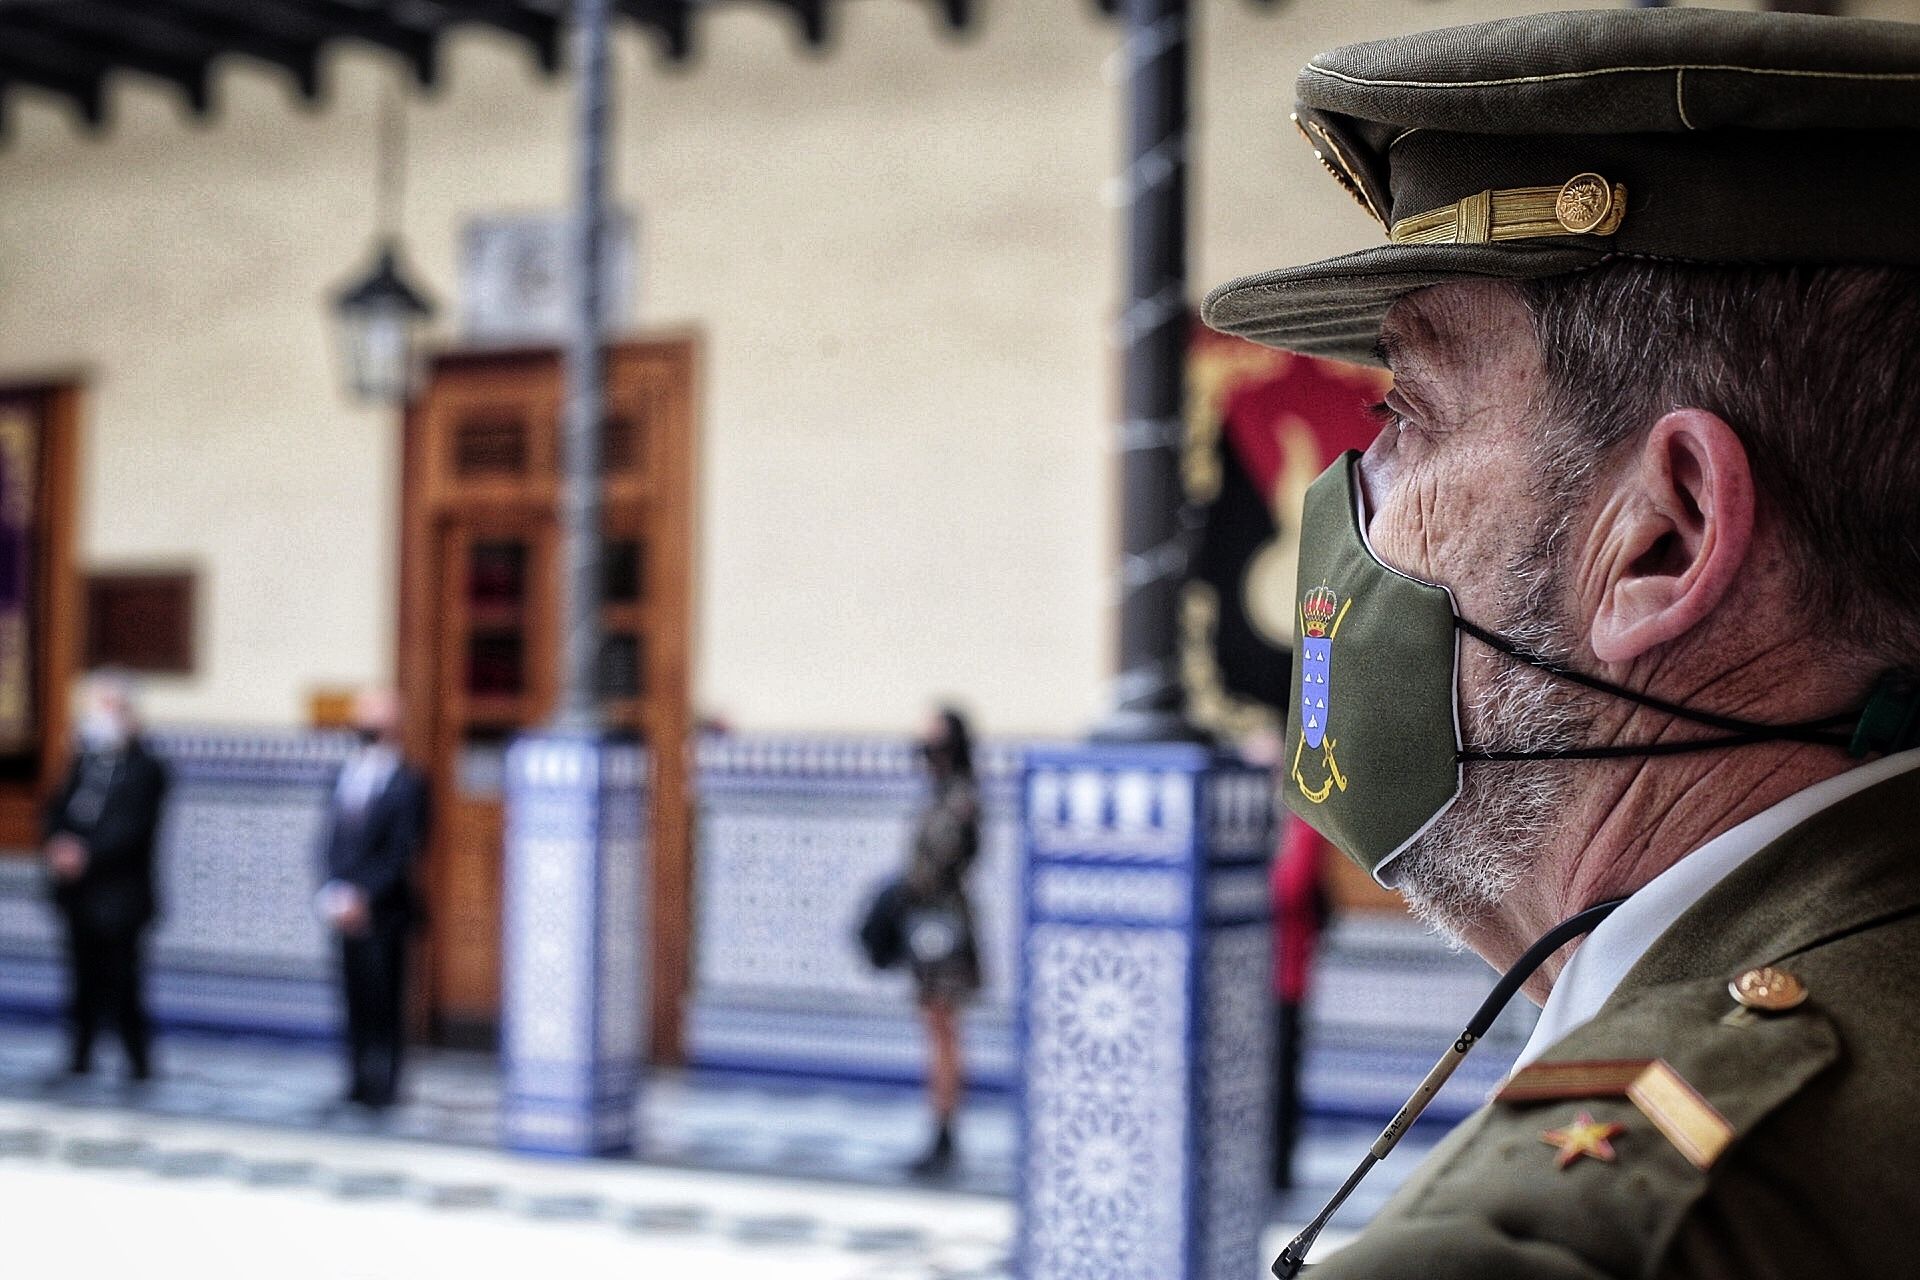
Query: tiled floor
845, 1133
239, 1114
98, 1192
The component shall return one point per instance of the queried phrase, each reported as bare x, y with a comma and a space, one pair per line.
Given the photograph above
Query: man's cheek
1391, 506
1398, 534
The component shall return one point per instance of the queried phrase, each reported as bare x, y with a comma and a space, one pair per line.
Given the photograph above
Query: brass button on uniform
1768, 989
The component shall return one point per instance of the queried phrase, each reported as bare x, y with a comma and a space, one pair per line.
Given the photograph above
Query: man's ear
1673, 536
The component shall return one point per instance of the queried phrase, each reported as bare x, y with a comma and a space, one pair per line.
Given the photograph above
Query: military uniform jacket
1720, 1140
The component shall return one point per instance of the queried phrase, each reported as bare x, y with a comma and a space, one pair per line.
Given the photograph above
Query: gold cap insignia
1583, 203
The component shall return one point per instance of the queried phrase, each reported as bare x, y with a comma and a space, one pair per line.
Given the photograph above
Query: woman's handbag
883, 928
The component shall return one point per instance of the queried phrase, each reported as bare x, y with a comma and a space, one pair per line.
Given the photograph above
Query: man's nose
1376, 473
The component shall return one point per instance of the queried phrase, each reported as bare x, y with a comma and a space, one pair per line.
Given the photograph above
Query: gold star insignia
1584, 1137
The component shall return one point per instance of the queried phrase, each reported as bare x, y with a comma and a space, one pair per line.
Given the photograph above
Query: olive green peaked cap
1547, 144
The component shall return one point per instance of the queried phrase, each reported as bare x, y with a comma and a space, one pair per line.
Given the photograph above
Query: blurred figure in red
1301, 910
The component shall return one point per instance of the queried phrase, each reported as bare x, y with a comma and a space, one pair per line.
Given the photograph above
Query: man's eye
1387, 416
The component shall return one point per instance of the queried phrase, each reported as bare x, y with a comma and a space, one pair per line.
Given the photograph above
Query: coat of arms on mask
1321, 613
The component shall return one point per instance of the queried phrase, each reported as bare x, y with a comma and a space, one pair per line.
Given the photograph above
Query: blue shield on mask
1316, 653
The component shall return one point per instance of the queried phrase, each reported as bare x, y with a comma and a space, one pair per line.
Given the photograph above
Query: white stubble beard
1505, 818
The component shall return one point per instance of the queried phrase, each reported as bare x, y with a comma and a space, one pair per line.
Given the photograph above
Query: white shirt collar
366, 772
1602, 961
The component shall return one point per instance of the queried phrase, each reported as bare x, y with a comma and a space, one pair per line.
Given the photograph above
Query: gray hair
1816, 369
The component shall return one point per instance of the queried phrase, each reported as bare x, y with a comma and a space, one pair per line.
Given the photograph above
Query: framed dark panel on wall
141, 620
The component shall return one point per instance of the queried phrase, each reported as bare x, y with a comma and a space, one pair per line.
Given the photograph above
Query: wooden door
496, 606
481, 645
40, 616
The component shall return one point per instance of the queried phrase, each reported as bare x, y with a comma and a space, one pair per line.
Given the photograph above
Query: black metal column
584, 410
1157, 529
574, 937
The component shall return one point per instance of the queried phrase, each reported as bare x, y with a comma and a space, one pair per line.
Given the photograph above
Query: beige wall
899, 255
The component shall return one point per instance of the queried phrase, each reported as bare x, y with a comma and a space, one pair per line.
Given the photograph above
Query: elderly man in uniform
1613, 621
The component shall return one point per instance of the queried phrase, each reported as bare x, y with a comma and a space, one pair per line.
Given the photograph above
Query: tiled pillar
573, 998
1145, 1025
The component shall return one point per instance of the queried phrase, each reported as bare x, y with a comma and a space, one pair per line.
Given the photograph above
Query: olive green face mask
1373, 748
1373, 745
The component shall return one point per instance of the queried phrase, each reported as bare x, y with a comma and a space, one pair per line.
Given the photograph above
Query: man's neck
1628, 820
1633, 822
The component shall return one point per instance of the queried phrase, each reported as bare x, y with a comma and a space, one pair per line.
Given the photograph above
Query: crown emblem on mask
1317, 610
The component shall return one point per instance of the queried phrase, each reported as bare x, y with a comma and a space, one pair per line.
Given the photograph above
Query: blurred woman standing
939, 921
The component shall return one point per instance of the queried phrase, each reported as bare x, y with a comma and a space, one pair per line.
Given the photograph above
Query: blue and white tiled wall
796, 831
793, 833
238, 945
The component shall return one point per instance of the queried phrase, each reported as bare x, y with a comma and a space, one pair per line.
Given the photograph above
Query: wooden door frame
670, 890
57, 622
456, 529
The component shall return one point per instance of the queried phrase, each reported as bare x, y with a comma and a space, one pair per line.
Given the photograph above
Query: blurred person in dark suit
376, 825
98, 844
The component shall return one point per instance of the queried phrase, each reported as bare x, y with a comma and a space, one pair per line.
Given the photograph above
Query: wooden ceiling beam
48, 36
314, 22
671, 21
192, 22
812, 17
539, 28
130, 24
72, 46
86, 92
375, 22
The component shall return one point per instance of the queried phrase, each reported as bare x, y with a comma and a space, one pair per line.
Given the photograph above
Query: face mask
102, 731
1373, 752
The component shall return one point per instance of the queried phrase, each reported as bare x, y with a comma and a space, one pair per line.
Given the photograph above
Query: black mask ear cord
1294, 1256
1890, 720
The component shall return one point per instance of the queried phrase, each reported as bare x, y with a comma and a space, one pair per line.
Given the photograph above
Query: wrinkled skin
1659, 578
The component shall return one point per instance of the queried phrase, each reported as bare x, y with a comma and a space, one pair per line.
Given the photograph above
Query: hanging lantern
378, 315
378, 318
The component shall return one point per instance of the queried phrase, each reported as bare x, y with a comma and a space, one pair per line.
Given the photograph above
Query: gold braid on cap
1584, 205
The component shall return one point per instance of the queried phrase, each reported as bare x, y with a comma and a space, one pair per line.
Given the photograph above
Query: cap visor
1334, 307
